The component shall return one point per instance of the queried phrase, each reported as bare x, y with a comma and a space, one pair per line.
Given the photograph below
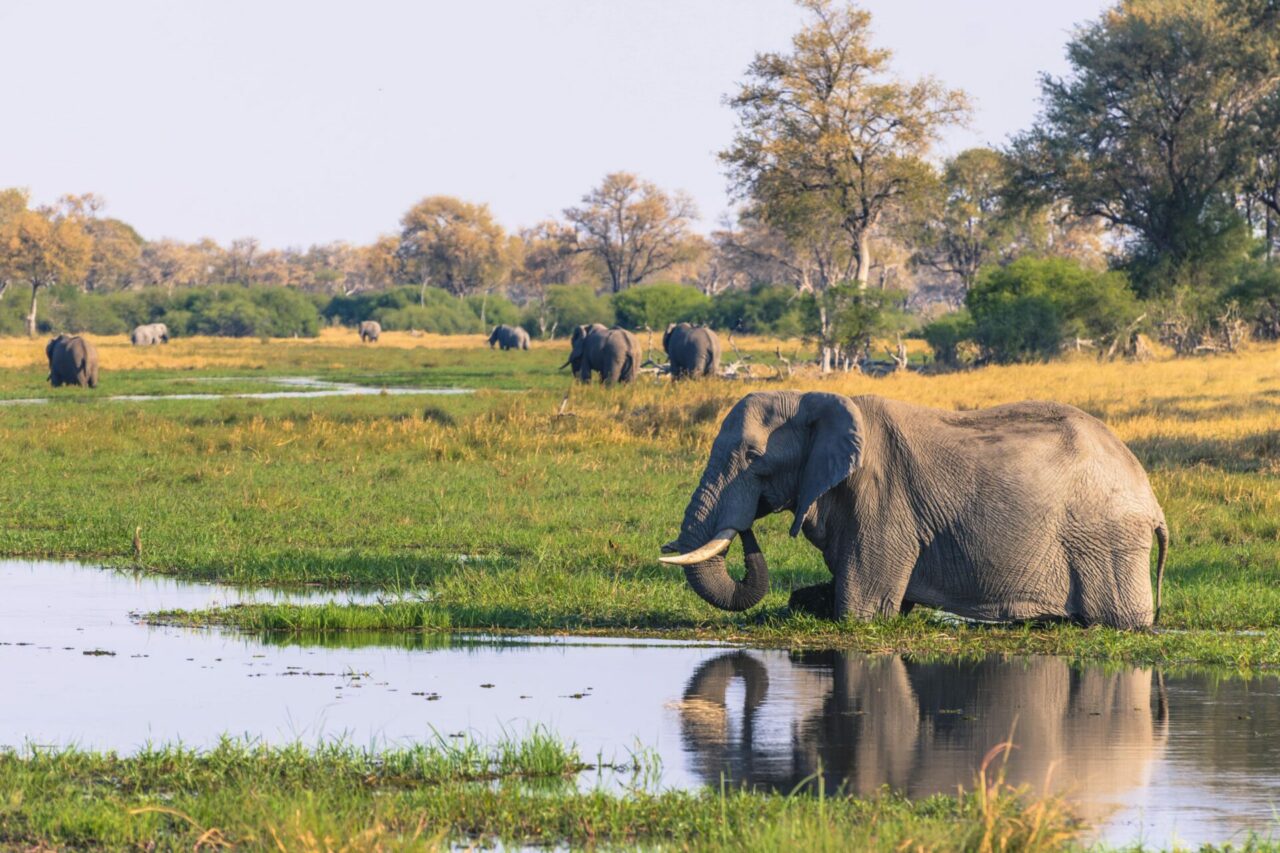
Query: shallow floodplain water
299, 387
1144, 755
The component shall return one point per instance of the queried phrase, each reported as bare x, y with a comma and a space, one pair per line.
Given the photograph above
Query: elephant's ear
666, 336
835, 447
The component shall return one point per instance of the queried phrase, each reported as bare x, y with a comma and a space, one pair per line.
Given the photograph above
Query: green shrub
656, 305
946, 334
404, 308
1026, 310
492, 309
566, 306
764, 309
1256, 293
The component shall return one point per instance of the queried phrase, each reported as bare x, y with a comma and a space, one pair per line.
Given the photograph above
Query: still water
298, 387
1144, 755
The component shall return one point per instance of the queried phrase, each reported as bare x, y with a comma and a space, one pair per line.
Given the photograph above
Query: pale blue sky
302, 121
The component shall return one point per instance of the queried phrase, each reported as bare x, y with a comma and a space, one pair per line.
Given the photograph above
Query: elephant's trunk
711, 580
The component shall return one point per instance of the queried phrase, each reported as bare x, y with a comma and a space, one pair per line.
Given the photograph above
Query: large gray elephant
72, 361
369, 331
1027, 511
613, 353
149, 334
509, 337
692, 350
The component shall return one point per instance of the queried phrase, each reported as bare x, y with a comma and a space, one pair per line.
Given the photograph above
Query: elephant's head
779, 450
493, 336
666, 336
578, 342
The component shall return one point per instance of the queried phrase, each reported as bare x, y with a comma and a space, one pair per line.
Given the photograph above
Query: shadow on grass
1249, 454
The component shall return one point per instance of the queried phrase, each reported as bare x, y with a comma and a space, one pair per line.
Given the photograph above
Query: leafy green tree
827, 137
967, 222
857, 317
1152, 129
1027, 309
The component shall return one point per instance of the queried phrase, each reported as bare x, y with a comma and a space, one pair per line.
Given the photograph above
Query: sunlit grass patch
439, 795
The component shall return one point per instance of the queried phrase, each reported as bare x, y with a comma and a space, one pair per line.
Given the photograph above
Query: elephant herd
614, 354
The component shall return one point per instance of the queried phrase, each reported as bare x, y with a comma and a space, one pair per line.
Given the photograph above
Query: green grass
518, 520
521, 792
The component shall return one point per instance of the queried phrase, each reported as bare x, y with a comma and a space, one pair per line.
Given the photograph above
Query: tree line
1145, 197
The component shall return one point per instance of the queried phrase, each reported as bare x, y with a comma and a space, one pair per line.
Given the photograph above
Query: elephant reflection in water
864, 722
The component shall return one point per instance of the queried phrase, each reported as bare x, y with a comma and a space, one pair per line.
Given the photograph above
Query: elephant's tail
1162, 543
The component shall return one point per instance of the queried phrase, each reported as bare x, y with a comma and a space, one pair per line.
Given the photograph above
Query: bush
855, 316
403, 308
566, 306
1026, 310
1256, 292
765, 309
656, 305
946, 334
493, 309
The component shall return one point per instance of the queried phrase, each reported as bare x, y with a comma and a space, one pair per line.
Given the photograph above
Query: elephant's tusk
717, 546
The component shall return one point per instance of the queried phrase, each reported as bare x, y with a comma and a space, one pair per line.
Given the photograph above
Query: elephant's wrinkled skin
151, 333
72, 361
613, 353
1028, 511
369, 331
509, 337
692, 350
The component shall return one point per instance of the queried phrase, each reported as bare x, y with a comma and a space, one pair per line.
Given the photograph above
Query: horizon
307, 127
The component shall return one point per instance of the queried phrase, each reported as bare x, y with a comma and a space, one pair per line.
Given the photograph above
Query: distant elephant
369, 331
509, 337
692, 350
859, 722
72, 361
1027, 511
613, 353
151, 333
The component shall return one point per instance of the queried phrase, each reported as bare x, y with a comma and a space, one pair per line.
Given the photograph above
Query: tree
1151, 131
13, 202
450, 243
239, 259
550, 256
113, 260
633, 227
1263, 185
827, 138
968, 223
43, 247
170, 264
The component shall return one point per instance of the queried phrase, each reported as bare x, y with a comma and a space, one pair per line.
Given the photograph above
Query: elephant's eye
752, 455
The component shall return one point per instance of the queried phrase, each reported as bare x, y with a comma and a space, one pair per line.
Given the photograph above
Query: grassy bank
430, 797
518, 519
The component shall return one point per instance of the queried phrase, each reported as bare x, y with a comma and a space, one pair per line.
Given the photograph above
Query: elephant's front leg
872, 581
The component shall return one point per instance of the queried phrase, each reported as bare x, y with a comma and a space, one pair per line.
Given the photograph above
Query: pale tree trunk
31, 315
824, 333
864, 260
